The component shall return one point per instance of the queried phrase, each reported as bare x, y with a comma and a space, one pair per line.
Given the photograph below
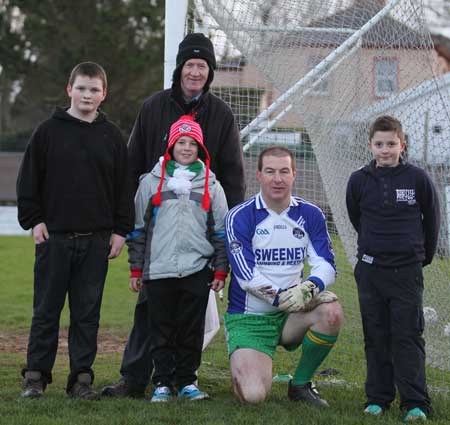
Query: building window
437, 129
323, 87
244, 102
386, 76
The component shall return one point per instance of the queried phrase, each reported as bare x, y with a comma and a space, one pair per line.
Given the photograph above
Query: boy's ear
69, 90
403, 145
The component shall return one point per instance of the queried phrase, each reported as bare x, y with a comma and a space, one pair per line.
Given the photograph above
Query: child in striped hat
185, 141
176, 254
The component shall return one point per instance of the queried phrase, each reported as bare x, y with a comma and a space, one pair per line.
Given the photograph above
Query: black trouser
76, 266
392, 316
176, 312
137, 365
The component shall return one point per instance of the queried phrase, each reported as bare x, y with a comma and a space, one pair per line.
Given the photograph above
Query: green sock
315, 347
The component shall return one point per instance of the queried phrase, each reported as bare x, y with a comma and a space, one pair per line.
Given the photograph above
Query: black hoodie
74, 177
395, 211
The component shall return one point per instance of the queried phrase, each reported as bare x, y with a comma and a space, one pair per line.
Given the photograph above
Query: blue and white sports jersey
267, 250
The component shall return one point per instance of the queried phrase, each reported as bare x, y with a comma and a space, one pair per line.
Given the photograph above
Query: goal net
313, 75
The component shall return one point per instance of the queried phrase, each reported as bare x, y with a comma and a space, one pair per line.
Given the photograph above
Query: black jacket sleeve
230, 170
136, 150
431, 219
123, 202
29, 182
352, 200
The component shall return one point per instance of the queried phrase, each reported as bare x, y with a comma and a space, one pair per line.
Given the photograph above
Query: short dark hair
387, 123
278, 151
89, 69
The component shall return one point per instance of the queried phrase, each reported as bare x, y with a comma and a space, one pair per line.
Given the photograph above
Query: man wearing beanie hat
177, 252
189, 94
195, 46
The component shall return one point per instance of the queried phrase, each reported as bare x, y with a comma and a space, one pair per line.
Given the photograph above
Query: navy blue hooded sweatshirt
395, 211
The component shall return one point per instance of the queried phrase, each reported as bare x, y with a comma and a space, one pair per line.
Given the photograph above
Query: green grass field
344, 391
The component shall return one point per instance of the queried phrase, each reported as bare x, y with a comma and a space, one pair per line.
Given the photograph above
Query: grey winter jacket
178, 238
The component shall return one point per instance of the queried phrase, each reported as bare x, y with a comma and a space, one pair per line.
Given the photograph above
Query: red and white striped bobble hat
185, 126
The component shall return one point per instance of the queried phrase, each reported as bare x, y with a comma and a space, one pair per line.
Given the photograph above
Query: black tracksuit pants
176, 313
392, 316
191, 294
77, 267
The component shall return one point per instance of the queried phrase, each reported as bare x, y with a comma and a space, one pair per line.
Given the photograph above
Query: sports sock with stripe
315, 347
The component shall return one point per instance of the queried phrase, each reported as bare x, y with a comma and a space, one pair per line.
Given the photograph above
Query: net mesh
326, 69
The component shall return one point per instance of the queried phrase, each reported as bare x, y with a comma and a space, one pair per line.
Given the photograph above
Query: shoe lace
190, 388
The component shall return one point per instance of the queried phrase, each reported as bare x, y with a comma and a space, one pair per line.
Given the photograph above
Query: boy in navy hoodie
73, 192
394, 208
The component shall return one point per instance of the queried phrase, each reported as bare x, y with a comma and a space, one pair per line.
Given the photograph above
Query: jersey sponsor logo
298, 233
235, 247
280, 256
406, 195
262, 232
279, 227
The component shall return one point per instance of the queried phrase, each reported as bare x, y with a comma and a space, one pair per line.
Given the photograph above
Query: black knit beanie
196, 45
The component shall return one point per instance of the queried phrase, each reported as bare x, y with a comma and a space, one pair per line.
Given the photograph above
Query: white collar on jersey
260, 204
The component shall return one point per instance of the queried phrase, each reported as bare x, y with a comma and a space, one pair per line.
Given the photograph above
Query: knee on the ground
249, 392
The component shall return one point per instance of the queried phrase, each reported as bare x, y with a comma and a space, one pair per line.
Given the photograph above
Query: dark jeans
77, 267
176, 313
391, 309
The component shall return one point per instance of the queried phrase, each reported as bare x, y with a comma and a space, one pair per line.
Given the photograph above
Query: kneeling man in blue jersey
270, 302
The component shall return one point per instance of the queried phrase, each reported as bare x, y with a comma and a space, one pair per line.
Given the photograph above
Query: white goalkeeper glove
294, 298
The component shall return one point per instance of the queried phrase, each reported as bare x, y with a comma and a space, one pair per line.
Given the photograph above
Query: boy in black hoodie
73, 192
394, 208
